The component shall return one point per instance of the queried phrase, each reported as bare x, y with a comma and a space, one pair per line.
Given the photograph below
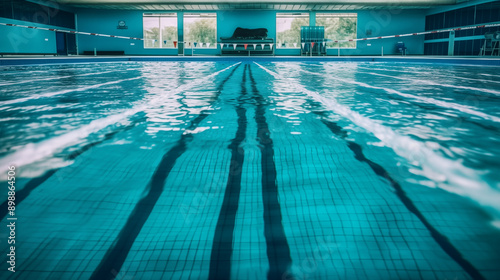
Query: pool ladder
491, 44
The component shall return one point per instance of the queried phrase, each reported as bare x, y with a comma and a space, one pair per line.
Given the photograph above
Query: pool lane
114, 258
176, 240
344, 227
278, 249
24, 189
442, 240
70, 221
73, 214
222, 247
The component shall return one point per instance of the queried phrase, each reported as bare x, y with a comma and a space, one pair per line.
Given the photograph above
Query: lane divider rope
336, 41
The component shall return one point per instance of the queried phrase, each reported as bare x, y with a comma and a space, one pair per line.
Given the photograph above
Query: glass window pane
168, 31
62, 18
151, 27
160, 30
439, 23
6, 9
495, 11
200, 28
449, 19
288, 29
483, 13
339, 27
37, 13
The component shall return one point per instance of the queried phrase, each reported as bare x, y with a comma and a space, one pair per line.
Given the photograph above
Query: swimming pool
252, 170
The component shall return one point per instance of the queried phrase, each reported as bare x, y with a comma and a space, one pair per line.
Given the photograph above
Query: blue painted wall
229, 20
380, 22
24, 40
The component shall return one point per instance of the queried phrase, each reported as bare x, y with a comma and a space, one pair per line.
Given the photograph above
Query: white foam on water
56, 78
451, 175
50, 94
496, 223
15, 68
429, 100
490, 75
434, 75
495, 92
35, 152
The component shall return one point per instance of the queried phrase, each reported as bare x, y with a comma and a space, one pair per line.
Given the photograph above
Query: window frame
291, 15
213, 45
336, 15
159, 17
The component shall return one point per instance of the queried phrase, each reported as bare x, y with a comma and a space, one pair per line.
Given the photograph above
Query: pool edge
482, 61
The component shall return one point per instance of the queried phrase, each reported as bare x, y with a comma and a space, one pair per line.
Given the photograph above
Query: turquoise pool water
283, 170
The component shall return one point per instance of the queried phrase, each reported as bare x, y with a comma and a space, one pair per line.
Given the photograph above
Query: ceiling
290, 5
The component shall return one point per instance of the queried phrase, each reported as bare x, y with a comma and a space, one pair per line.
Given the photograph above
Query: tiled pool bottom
240, 175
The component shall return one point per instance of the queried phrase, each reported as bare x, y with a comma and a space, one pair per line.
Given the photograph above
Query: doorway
65, 43
61, 43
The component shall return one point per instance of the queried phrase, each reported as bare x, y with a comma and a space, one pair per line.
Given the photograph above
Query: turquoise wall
106, 22
24, 40
380, 22
31, 41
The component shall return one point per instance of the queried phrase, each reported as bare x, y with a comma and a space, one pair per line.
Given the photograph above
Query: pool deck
464, 60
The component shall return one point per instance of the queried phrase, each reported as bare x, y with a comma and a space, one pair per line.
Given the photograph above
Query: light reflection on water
455, 136
435, 144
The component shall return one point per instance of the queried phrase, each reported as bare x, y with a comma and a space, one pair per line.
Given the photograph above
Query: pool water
245, 170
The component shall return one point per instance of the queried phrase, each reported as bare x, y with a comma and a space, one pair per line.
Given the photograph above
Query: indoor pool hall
287, 140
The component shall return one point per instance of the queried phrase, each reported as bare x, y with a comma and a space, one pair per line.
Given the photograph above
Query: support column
451, 43
180, 33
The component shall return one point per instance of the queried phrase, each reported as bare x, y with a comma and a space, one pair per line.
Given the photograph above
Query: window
160, 30
37, 13
339, 27
200, 28
288, 29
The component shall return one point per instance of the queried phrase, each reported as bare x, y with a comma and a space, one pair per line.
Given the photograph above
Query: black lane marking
114, 258
24, 192
440, 239
222, 247
278, 250
35, 182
